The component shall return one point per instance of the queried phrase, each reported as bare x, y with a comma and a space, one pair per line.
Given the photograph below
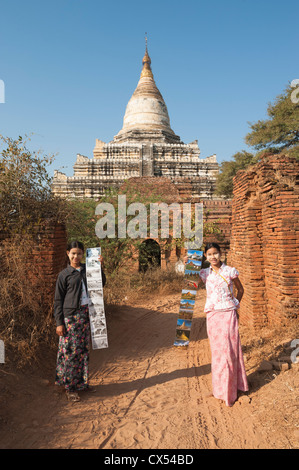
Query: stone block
265, 366
277, 365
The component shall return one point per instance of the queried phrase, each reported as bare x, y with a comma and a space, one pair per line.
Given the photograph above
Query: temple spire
146, 63
146, 117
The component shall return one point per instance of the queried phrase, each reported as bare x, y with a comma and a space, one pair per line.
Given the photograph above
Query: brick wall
215, 211
264, 240
219, 212
49, 253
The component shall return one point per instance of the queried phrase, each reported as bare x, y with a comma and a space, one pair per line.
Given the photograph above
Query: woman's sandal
72, 396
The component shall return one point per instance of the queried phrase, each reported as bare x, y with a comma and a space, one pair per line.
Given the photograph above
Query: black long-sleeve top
68, 292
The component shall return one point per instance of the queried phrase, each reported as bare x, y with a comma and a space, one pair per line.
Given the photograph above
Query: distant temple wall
115, 163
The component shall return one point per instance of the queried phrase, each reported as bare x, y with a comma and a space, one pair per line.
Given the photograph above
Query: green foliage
117, 252
228, 169
81, 220
279, 133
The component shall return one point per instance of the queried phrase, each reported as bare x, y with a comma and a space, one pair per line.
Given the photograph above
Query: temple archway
149, 255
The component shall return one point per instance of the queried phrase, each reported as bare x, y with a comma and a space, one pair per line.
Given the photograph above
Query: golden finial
146, 63
146, 58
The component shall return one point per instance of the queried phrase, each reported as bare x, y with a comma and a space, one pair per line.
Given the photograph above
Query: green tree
81, 220
118, 251
228, 169
279, 133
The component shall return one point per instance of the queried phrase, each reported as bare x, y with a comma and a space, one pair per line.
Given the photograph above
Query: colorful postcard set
189, 291
97, 317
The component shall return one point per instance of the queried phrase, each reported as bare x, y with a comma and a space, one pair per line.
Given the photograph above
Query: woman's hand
60, 330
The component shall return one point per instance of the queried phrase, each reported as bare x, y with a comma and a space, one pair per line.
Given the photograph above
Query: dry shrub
125, 286
26, 308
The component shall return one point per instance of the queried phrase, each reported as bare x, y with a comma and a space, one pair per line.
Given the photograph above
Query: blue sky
71, 66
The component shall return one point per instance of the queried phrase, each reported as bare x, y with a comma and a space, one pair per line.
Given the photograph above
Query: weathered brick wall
49, 253
264, 240
216, 212
219, 212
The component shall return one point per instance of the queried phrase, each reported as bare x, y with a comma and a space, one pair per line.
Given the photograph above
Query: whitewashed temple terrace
145, 146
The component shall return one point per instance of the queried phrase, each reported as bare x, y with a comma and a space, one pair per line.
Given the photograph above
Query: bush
26, 307
26, 201
125, 287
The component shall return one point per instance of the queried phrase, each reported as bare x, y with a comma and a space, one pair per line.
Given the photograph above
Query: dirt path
149, 395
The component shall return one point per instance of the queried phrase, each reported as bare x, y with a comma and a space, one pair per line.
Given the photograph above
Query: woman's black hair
75, 244
212, 245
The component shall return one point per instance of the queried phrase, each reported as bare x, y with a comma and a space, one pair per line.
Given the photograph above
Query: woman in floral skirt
72, 324
227, 364
228, 370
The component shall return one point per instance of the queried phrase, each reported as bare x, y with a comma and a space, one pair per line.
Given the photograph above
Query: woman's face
213, 256
75, 256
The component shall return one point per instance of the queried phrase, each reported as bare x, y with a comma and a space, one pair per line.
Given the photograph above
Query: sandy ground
151, 395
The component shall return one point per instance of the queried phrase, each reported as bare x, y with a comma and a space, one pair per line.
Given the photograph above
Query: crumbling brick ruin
49, 253
264, 240
260, 238
219, 213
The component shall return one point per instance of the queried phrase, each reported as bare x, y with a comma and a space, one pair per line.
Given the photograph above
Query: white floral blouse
219, 288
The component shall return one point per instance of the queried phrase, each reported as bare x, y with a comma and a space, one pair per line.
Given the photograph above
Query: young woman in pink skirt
228, 370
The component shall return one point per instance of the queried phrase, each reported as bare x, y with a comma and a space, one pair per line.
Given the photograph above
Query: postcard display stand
97, 317
189, 291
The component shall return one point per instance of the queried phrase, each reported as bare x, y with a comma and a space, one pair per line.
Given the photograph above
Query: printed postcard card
185, 314
92, 257
187, 304
98, 328
193, 265
195, 255
182, 337
184, 324
189, 294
